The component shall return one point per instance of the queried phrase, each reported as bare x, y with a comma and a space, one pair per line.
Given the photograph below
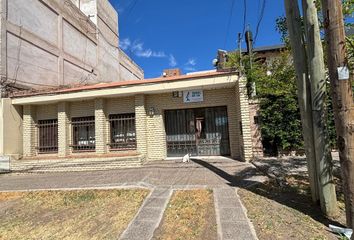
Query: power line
244, 16
229, 22
260, 18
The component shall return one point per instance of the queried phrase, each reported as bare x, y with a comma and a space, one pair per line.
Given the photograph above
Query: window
83, 133
123, 136
47, 136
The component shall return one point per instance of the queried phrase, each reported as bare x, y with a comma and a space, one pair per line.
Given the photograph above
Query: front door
199, 131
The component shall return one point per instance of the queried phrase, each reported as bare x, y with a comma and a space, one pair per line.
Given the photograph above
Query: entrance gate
199, 131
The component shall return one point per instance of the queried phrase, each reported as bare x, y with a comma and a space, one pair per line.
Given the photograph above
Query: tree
277, 95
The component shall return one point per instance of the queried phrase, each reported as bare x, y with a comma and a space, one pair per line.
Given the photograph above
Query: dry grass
86, 214
190, 214
286, 212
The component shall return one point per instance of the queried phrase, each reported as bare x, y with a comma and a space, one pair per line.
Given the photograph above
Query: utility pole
239, 39
317, 77
249, 42
297, 42
342, 98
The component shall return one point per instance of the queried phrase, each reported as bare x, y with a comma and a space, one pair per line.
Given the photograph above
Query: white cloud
189, 69
138, 49
125, 43
191, 62
172, 61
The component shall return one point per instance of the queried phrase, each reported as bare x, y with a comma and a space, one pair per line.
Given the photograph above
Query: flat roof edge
216, 81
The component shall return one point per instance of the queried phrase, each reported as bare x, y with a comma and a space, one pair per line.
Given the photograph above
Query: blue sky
159, 34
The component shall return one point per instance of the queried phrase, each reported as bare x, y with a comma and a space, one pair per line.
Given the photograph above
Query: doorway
198, 131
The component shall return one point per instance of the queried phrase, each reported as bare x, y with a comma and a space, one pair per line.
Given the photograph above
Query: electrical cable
244, 16
229, 22
260, 18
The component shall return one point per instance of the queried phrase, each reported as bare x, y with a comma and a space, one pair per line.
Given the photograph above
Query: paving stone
148, 218
149, 214
225, 192
161, 193
155, 202
236, 231
232, 214
139, 230
229, 202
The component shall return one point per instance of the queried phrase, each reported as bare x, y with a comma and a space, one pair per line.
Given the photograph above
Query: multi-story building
51, 43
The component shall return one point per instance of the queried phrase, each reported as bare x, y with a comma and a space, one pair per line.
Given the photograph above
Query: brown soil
288, 212
87, 214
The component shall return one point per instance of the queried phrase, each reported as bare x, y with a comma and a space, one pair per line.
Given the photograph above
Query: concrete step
70, 165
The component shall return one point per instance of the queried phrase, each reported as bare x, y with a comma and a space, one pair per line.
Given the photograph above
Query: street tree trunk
317, 77
293, 19
342, 98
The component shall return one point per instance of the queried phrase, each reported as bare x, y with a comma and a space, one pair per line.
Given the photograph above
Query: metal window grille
83, 133
122, 130
47, 136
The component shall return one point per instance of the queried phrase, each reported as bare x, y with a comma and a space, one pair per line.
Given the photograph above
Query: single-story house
205, 114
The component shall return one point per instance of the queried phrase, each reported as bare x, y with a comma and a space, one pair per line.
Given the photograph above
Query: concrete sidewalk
199, 173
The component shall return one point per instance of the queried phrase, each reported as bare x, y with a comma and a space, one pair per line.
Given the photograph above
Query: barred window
122, 129
47, 136
83, 133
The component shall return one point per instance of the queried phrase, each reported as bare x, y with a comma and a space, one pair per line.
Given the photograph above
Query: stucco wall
10, 128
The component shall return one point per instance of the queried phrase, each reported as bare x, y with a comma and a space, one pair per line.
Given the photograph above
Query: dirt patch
190, 214
287, 212
86, 214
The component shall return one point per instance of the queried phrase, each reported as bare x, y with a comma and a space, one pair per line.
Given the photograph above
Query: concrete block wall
46, 43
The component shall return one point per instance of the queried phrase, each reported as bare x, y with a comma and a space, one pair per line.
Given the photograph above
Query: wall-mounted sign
193, 96
343, 73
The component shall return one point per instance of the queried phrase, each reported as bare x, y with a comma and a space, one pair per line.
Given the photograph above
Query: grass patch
86, 214
190, 214
287, 212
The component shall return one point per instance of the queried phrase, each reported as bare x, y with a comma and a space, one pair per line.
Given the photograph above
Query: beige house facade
202, 114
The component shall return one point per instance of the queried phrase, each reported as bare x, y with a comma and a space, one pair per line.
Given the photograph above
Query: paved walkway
223, 175
232, 220
149, 216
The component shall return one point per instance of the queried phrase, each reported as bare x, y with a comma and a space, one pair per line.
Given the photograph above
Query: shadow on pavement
283, 195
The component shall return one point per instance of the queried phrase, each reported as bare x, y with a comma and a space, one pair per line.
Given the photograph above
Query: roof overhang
202, 83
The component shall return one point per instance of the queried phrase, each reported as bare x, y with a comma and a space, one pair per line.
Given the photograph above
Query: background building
51, 43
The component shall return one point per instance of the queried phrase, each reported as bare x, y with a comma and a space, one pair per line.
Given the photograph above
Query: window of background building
122, 131
83, 133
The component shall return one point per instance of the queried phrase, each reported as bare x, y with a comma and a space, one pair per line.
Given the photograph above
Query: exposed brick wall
46, 112
63, 129
255, 130
150, 131
246, 138
161, 102
100, 126
140, 124
29, 131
